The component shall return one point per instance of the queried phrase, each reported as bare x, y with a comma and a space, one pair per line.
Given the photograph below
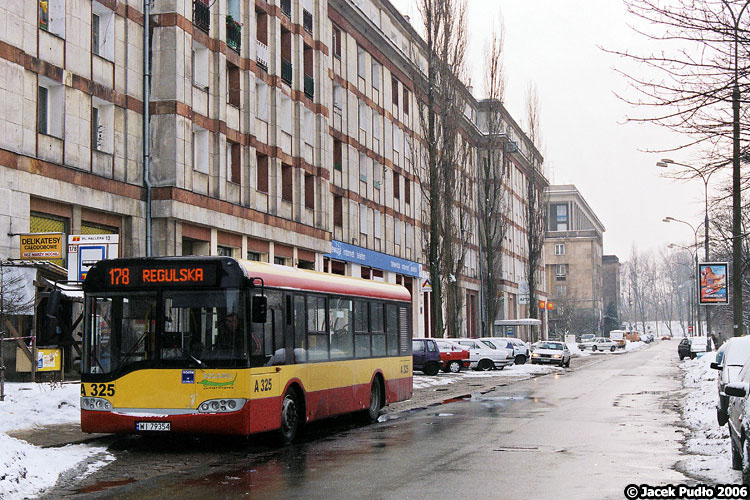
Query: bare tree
535, 214
14, 301
441, 113
492, 201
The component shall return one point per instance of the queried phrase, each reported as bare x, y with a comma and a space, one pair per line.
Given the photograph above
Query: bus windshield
170, 329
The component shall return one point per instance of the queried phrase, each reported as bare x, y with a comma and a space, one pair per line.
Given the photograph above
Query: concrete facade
290, 126
573, 250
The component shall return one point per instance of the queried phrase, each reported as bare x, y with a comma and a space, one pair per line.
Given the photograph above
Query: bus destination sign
147, 276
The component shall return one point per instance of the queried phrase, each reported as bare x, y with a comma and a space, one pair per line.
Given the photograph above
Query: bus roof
277, 276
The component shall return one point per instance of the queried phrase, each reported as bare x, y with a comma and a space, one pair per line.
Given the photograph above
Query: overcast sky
586, 141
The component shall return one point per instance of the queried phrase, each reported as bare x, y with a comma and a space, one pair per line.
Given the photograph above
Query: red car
454, 357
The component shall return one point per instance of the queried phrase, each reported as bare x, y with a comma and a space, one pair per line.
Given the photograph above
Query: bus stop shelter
526, 329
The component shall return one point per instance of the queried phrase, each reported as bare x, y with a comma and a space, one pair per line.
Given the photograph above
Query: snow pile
634, 346
26, 470
521, 372
575, 351
708, 442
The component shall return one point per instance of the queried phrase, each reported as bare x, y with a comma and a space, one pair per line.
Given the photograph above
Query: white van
483, 357
518, 346
617, 337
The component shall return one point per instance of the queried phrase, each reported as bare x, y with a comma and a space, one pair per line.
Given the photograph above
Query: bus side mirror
259, 308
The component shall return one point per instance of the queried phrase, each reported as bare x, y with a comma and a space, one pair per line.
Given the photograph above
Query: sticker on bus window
188, 376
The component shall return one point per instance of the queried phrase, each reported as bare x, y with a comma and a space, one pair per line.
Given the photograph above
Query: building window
261, 100
396, 186
287, 182
200, 149
224, 251
102, 125
363, 160
337, 42
338, 211
338, 96
233, 85
52, 16
200, 62
262, 173
561, 271
310, 191
407, 191
375, 75
406, 101
254, 256
234, 162
102, 31
279, 261
561, 290
361, 61
394, 91
50, 107
559, 248
338, 150
559, 217
285, 114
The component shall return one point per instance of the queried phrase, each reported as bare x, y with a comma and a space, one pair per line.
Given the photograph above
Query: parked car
556, 353
700, 344
730, 358
518, 346
598, 344
453, 356
426, 356
666, 336
739, 427
618, 337
683, 349
484, 357
587, 337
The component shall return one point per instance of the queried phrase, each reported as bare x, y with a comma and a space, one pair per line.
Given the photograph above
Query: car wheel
376, 401
721, 417
454, 367
520, 359
692, 355
290, 417
593, 348
485, 365
431, 369
612, 349
567, 365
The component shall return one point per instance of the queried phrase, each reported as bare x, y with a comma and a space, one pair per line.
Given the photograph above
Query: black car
426, 356
683, 349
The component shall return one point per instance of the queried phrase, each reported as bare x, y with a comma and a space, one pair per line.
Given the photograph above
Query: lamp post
664, 163
736, 178
691, 306
695, 254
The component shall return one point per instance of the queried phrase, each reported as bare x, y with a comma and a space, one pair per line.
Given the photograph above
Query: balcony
309, 86
307, 21
286, 8
286, 71
234, 34
261, 54
201, 15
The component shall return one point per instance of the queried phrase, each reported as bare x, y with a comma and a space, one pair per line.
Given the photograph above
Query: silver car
553, 353
730, 359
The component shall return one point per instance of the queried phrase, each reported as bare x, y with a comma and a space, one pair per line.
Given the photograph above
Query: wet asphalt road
577, 434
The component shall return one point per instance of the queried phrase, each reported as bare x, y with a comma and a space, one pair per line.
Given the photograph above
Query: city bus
224, 346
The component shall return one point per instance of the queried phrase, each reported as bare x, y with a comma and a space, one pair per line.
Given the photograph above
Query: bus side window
391, 329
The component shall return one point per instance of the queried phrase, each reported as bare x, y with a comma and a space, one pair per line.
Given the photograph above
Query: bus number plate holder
153, 426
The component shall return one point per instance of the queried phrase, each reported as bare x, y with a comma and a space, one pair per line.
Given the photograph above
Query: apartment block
285, 131
573, 249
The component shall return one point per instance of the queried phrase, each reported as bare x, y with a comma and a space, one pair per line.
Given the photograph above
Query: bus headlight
221, 405
95, 404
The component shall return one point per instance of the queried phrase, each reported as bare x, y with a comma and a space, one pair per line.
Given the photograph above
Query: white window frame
106, 126
361, 62
559, 248
200, 65
56, 17
363, 219
261, 100
200, 149
376, 74
338, 96
55, 107
561, 270
285, 113
308, 126
106, 34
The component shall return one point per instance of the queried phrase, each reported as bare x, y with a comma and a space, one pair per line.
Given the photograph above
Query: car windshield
737, 353
551, 345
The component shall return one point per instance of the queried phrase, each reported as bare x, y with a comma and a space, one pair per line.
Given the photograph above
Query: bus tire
290, 416
376, 401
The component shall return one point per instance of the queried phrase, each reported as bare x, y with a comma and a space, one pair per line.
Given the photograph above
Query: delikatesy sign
371, 258
712, 283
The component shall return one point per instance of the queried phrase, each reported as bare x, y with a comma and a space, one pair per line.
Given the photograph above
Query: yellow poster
48, 360
41, 246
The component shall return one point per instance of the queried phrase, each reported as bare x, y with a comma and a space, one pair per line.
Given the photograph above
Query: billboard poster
712, 283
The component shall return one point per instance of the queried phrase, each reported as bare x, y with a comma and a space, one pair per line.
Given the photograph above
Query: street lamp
665, 163
695, 254
690, 306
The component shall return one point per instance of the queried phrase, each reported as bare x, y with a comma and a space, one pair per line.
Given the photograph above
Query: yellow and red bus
224, 346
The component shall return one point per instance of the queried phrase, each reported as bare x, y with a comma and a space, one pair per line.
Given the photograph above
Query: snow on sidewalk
27, 470
521, 371
707, 443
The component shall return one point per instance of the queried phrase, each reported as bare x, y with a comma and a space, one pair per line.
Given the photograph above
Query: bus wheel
376, 401
290, 417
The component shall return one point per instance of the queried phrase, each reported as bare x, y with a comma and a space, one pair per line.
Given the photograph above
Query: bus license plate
153, 426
